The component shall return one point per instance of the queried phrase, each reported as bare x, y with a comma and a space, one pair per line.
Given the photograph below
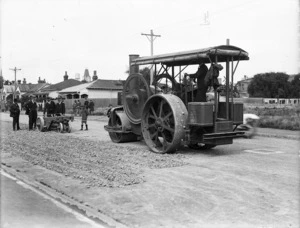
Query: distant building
86, 76
100, 88
22, 89
242, 86
53, 90
77, 76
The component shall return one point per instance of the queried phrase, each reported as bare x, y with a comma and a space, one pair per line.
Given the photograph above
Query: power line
151, 37
15, 70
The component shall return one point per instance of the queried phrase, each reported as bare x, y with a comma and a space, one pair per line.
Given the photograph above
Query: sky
45, 38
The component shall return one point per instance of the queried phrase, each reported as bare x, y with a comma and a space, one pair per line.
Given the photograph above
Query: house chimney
95, 77
66, 76
24, 81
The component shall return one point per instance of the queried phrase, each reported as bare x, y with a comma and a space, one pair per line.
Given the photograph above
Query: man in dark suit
49, 107
31, 110
202, 87
15, 114
60, 107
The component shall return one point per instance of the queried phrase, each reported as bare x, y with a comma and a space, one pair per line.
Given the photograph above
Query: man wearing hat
60, 107
202, 87
31, 110
49, 107
15, 114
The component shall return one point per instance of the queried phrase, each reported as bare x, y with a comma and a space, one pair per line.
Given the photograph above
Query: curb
292, 137
87, 211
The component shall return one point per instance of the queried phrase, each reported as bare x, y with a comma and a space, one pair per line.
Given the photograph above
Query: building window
69, 96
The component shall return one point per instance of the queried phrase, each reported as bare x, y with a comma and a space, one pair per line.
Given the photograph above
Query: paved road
23, 206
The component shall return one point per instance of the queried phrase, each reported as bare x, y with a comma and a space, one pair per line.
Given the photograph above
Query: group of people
89, 105
31, 108
50, 109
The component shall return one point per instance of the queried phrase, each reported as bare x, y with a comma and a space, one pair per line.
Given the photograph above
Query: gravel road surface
251, 183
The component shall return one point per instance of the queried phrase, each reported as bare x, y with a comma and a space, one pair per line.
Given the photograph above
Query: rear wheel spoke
168, 115
150, 125
161, 108
153, 111
170, 129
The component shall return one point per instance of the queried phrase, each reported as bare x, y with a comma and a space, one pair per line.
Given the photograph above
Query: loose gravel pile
95, 163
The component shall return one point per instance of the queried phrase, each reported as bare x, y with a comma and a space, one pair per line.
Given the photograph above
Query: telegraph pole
15, 70
151, 37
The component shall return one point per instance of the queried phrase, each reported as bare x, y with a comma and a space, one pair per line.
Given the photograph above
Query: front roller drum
164, 119
121, 137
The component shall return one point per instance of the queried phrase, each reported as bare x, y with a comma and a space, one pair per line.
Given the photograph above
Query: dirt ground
252, 183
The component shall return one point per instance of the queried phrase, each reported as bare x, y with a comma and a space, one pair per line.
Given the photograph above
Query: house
21, 89
242, 86
53, 90
99, 88
103, 92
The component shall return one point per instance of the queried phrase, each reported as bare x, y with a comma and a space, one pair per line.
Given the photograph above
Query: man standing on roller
202, 87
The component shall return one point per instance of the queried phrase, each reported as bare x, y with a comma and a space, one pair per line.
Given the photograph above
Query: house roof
8, 88
76, 89
25, 87
38, 87
245, 80
62, 85
107, 84
99, 84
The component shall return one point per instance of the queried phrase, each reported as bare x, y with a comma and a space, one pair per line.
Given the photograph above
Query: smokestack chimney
135, 68
24, 81
95, 77
66, 76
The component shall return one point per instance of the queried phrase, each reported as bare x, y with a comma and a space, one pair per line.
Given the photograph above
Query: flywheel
136, 91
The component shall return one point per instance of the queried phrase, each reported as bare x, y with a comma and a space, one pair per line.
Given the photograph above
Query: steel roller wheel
40, 124
163, 121
135, 94
121, 137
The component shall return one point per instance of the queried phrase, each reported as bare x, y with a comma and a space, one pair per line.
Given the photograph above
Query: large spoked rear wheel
163, 121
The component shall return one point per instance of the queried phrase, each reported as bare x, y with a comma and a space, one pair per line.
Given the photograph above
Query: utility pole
151, 37
15, 70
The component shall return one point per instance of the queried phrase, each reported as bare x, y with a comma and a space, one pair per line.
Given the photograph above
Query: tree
271, 85
295, 87
222, 90
146, 73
